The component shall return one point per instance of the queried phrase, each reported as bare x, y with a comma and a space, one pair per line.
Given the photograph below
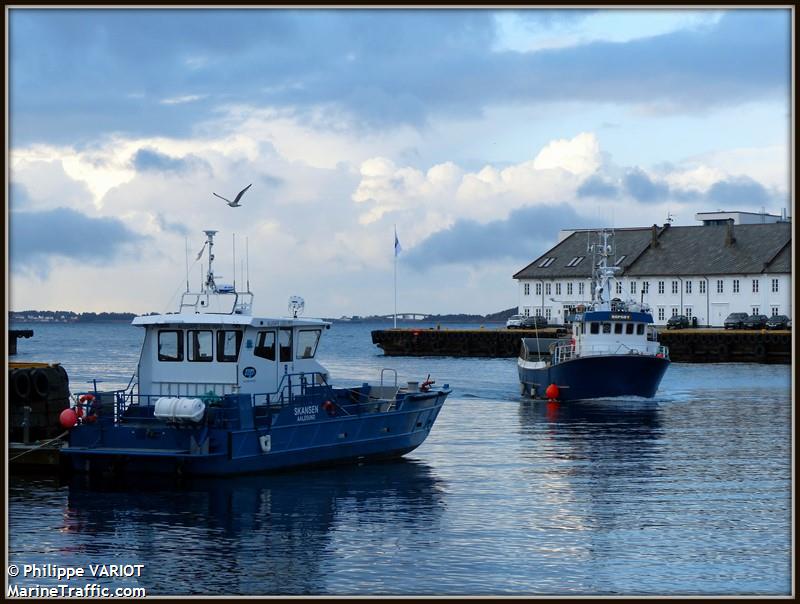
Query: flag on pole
397, 247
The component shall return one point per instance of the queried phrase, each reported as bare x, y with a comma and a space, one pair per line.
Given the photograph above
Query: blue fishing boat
613, 349
218, 391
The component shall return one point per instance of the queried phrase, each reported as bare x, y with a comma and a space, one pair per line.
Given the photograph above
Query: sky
476, 134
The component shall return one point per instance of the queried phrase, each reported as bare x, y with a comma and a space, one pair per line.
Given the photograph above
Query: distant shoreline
67, 317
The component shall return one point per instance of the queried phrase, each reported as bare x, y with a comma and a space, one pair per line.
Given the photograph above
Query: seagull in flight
235, 203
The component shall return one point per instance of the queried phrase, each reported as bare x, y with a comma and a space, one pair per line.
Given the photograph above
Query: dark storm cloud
39, 237
150, 160
524, 234
738, 191
597, 186
78, 73
642, 188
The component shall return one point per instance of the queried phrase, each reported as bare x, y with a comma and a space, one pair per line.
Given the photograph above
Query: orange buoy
552, 392
68, 418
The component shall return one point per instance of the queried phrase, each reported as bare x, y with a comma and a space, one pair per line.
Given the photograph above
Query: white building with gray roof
704, 272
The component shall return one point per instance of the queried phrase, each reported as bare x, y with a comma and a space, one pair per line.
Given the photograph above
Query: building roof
629, 243
702, 250
681, 250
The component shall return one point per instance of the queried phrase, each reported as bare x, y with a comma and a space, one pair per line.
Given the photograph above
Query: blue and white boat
218, 391
613, 350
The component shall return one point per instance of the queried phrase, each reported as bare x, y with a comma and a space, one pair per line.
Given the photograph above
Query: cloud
639, 185
40, 237
150, 160
525, 234
77, 73
597, 186
738, 191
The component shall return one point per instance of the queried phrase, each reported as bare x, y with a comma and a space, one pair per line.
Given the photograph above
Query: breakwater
685, 345
459, 342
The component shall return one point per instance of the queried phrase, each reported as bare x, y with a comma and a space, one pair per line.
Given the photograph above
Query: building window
688, 287
660, 287
755, 310
735, 286
558, 289
575, 261
702, 287
538, 289
633, 287
774, 286
674, 287
538, 312
674, 311
547, 313
719, 286
646, 287
569, 288
775, 311
619, 287
755, 287
547, 289
687, 310
527, 311
580, 288
661, 313
546, 262
619, 260
527, 289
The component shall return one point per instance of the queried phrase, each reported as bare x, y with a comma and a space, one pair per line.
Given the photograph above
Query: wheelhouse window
594, 328
639, 329
228, 344
170, 345
307, 340
201, 345
618, 328
629, 329
606, 327
285, 344
265, 345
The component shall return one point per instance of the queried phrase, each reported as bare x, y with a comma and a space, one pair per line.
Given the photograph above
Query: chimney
730, 239
654, 240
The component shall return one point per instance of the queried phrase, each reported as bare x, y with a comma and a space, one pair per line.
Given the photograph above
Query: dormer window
575, 261
619, 260
547, 262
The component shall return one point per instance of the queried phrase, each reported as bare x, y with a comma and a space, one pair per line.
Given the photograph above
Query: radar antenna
296, 305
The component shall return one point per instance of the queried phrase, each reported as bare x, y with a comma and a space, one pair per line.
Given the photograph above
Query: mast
210, 285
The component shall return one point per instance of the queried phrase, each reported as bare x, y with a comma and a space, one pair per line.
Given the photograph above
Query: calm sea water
688, 493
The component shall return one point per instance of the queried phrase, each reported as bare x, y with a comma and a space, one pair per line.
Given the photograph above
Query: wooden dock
704, 345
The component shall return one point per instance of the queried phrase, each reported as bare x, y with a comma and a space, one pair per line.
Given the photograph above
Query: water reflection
247, 535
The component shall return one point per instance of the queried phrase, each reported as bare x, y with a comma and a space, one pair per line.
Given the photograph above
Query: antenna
247, 253
186, 260
234, 262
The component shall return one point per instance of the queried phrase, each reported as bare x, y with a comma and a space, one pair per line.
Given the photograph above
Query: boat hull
323, 441
597, 377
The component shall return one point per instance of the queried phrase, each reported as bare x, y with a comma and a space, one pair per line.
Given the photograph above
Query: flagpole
395, 277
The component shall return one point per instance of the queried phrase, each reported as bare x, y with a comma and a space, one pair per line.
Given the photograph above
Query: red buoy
552, 392
68, 418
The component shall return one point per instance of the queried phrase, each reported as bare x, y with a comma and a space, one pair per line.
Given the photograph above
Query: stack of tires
38, 394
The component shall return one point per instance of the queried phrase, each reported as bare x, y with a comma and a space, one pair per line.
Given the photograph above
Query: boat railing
562, 352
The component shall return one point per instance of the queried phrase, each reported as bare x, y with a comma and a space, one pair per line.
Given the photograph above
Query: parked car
756, 322
678, 322
514, 321
778, 322
735, 320
534, 322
